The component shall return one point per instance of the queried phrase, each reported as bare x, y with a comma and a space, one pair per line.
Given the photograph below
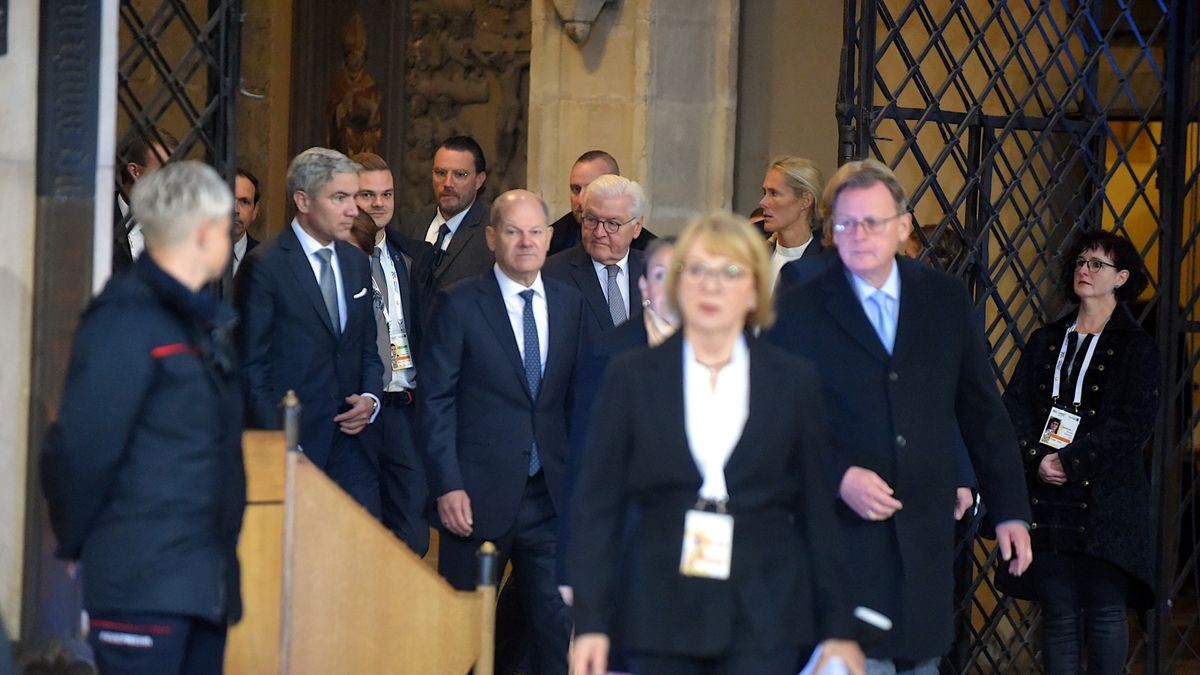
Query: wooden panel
357, 600
253, 645
263, 453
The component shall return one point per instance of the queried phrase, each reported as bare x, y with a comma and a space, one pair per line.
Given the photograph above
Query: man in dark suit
496, 382
139, 155
904, 367
397, 335
605, 268
308, 325
590, 166
454, 226
245, 212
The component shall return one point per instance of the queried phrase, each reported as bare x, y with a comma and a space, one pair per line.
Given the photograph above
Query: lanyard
393, 283
1062, 355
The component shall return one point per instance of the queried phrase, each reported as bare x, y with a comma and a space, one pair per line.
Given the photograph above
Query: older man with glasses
605, 268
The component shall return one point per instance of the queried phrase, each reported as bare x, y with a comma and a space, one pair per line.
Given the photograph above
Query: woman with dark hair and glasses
1083, 401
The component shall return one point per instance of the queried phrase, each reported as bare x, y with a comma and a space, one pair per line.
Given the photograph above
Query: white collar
510, 288
891, 286
623, 263
455, 220
307, 242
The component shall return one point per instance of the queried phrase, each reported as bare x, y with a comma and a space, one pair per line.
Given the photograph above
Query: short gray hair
313, 168
611, 185
172, 202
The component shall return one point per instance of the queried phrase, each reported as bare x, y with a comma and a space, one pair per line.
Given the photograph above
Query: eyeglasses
610, 226
1094, 264
870, 224
696, 273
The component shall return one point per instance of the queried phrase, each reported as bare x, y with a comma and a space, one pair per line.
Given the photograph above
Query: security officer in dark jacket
143, 470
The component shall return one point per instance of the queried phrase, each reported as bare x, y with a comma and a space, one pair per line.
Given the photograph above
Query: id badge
1060, 428
707, 545
401, 354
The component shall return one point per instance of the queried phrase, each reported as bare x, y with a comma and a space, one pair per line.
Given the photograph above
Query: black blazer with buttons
1104, 508
900, 415
786, 585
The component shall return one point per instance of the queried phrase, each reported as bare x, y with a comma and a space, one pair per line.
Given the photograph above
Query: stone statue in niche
468, 65
354, 119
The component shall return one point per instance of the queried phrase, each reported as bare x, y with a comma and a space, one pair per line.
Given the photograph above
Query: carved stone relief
467, 73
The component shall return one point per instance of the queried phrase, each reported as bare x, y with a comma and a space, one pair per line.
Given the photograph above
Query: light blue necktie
881, 319
533, 367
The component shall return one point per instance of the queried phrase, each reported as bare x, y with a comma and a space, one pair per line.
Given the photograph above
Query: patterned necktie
885, 327
616, 303
533, 366
329, 288
377, 272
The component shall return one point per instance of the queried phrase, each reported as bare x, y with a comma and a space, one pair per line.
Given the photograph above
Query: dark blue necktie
533, 367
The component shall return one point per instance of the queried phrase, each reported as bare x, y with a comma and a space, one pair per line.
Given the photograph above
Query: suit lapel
305, 278
907, 325
469, 228
847, 311
491, 304
557, 313
402, 274
584, 275
351, 262
636, 260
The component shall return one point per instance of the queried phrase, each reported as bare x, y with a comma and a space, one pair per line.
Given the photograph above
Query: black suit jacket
900, 415
478, 419
122, 253
785, 586
574, 267
405, 254
465, 257
808, 267
567, 234
289, 342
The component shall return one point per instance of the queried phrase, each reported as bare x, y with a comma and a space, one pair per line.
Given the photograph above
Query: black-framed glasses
1094, 264
869, 224
610, 226
724, 275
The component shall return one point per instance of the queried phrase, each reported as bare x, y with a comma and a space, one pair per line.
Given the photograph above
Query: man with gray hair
143, 469
605, 268
308, 324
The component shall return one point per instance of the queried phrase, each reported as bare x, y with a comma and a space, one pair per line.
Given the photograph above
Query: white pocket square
360, 294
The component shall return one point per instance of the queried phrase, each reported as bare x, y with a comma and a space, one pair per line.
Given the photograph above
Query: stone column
655, 85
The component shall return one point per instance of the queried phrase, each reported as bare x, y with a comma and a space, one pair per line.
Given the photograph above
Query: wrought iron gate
1016, 122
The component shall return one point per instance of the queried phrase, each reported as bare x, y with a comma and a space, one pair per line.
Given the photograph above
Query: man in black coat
397, 338
454, 225
605, 267
138, 156
590, 166
143, 470
904, 367
308, 325
497, 374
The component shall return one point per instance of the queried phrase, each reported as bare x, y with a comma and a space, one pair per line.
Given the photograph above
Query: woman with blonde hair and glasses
734, 562
791, 210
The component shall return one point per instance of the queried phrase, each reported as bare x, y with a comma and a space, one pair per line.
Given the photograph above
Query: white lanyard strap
1062, 355
392, 279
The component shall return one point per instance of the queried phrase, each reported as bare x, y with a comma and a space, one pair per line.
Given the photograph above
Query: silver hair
172, 202
313, 168
499, 204
610, 185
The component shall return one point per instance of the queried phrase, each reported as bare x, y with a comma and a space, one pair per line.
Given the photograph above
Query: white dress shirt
714, 416
137, 239
431, 234
513, 302
399, 379
622, 280
311, 246
239, 251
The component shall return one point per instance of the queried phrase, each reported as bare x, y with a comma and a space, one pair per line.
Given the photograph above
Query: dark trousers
785, 661
351, 467
392, 436
156, 644
531, 544
1077, 592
